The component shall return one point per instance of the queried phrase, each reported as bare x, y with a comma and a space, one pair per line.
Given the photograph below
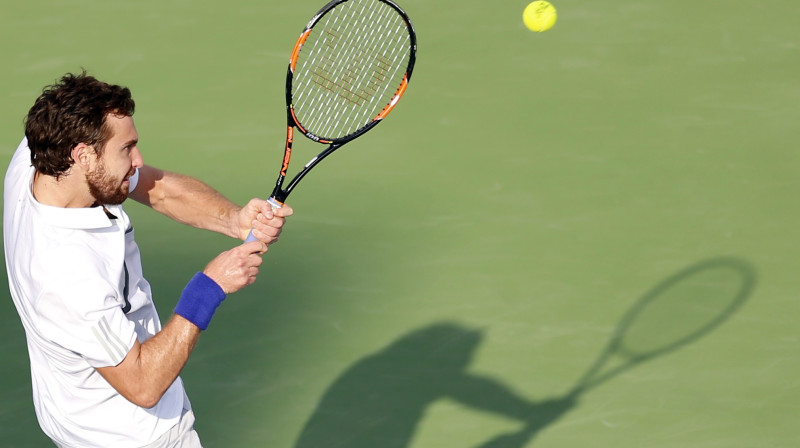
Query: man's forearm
150, 368
186, 200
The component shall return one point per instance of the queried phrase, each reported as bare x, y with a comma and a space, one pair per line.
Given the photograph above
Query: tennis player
105, 372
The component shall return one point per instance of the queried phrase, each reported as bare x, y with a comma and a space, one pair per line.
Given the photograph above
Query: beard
105, 188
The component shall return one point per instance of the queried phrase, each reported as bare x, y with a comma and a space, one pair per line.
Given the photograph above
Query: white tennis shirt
75, 276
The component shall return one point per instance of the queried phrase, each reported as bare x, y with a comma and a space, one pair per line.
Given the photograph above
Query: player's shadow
381, 399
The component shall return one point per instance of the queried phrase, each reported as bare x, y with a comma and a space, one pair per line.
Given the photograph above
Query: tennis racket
677, 312
348, 69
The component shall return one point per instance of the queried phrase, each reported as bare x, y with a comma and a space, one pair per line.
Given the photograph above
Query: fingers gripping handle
275, 204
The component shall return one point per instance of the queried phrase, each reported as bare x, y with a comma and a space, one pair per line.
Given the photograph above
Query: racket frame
280, 193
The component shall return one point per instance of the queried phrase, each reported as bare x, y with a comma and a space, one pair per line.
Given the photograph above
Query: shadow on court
381, 399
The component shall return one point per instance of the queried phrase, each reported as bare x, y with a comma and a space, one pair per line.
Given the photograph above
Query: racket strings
350, 67
340, 82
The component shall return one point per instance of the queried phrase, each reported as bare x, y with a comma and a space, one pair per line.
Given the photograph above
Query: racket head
349, 68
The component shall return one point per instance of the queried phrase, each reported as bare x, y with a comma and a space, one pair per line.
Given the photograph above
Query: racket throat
278, 196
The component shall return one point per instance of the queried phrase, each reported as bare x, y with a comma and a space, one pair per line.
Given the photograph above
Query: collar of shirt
87, 218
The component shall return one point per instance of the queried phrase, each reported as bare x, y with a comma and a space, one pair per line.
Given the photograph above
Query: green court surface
448, 279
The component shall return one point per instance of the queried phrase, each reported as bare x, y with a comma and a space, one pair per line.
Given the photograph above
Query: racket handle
275, 204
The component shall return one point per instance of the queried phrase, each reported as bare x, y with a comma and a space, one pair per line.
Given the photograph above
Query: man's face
109, 178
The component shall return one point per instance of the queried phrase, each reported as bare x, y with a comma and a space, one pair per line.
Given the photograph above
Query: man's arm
190, 201
151, 367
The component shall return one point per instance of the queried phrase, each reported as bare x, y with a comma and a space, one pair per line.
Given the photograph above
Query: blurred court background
450, 276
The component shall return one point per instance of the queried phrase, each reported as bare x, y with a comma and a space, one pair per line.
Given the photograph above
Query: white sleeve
134, 180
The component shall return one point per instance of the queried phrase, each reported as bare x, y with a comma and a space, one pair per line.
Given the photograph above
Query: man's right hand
234, 269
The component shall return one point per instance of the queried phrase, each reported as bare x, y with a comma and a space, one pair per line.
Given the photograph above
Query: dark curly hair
70, 112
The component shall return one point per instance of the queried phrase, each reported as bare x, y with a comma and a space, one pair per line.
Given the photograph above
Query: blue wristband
199, 300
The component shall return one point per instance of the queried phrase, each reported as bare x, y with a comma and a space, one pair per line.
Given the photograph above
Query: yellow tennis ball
539, 16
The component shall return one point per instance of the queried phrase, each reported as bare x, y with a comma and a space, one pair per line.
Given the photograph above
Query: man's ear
83, 155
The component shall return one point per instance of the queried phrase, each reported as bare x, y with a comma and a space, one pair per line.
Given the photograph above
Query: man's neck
67, 191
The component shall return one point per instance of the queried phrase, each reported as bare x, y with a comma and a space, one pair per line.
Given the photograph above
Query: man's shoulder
19, 169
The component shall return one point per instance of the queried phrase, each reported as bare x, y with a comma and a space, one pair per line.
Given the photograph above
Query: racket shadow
677, 312
680, 310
